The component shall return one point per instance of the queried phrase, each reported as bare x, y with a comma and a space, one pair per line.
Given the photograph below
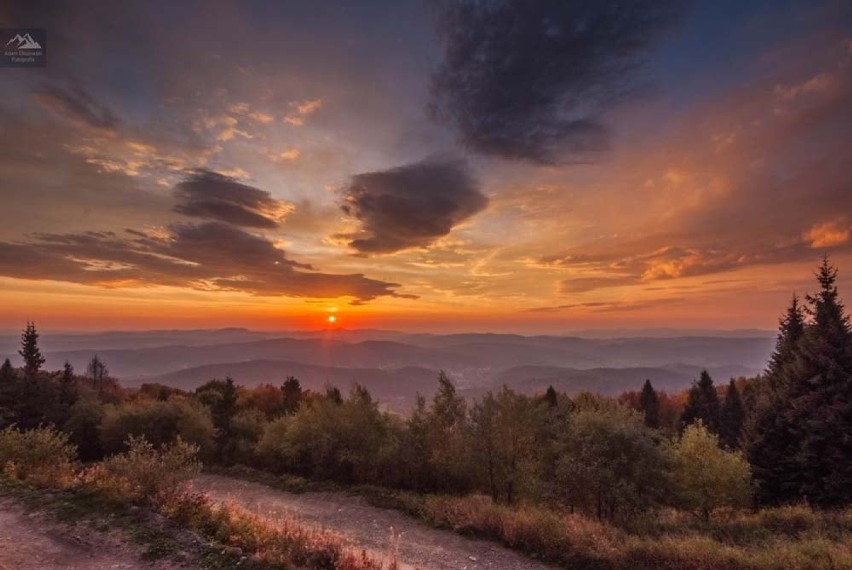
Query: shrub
43, 457
247, 427
160, 423
144, 473
708, 477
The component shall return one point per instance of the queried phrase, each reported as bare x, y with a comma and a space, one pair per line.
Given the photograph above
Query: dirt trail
29, 541
370, 527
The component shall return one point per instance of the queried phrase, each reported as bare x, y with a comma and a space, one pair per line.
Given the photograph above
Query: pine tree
33, 359
768, 434
650, 405
67, 387
731, 418
820, 406
8, 392
292, 392
7, 372
702, 403
551, 398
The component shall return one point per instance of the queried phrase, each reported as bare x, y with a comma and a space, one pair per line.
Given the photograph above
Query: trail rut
418, 547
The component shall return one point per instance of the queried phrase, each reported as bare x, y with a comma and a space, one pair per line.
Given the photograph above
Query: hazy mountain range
397, 366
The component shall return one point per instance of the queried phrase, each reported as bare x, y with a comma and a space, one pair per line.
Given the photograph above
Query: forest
747, 473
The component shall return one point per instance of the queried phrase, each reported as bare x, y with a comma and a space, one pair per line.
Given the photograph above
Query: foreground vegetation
754, 474
157, 479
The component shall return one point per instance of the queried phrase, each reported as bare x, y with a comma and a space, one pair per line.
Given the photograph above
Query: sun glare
332, 319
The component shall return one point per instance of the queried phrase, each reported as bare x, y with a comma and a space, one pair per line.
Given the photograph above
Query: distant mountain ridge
477, 361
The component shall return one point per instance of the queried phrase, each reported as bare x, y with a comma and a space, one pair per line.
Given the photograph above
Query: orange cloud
827, 234
302, 109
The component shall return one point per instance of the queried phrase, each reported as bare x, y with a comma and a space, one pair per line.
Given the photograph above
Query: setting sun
332, 319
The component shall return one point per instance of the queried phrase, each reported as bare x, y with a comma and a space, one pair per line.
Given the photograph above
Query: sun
332, 319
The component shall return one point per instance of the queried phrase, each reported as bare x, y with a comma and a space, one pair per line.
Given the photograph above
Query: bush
144, 473
160, 423
247, 427
708, 477
270, 450
43, 457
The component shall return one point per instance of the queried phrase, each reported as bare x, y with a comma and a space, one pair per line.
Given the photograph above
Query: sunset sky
508, 166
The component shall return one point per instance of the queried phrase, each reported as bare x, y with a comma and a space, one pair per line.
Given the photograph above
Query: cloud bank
210, 256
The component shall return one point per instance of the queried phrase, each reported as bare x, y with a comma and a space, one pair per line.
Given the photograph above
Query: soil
381, 532
31, 541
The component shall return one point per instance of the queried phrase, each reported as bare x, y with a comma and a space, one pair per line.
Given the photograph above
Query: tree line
781, 437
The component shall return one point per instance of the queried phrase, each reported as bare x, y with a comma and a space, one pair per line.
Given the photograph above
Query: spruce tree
650, 405
8, 392
7, 372
768, 433
291, 390
731, 418
67, 387
820, 405
702, 403
33, 359
551, 398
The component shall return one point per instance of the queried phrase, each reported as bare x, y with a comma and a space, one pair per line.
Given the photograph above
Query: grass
783, 538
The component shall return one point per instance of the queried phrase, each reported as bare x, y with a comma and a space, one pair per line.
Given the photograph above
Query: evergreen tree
551, 398
67, 386
8, 392
650, 405
731, 418
702, 403
30, 352
790, 332
221, 397
768, 434
7, 372
292, 392
820, 406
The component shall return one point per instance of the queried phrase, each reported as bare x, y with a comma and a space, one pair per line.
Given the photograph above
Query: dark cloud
530, 80
209, 195
77, 106
411, 206
207, 256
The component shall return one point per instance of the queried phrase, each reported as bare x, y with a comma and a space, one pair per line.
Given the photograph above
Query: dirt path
370, 527
29, 541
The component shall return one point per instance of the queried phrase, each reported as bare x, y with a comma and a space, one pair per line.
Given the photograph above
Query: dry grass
282, 543
785, 538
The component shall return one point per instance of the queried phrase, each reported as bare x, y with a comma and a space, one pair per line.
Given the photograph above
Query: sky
433, 166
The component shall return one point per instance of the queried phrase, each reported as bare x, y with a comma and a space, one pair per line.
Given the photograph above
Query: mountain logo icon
24, 42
